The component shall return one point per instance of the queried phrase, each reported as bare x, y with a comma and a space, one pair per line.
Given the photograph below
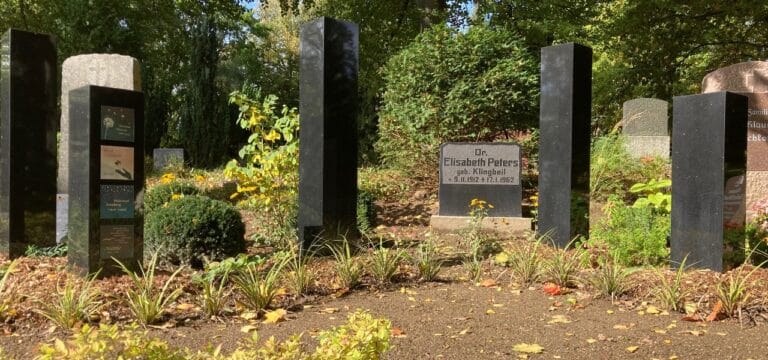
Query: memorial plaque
328, 68
116, 163
117, 123
116, 202
28, 115
485, 171
708, 166
564, 123
106, 180
116, 241
757, 131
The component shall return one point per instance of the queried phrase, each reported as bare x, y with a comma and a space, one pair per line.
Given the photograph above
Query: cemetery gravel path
463, 321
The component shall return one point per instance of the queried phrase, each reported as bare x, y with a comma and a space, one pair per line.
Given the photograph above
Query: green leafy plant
167, 190
427, 261
109, 342
613, 170
6, 291
564, 265
733, 290
655, 195
347, 266
611, 279
194, 229
74, 303
145, 301
258, 285
366, 212
384, 263
219, 269
670, 292
362, 337
49, 251
214, 294
635, 236
299, 274
525, 263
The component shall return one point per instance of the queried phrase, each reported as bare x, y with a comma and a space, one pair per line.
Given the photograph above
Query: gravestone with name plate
751, 80
28, 115
328, 105
162, 158
106, 175
708, 163
646, 127
564, 125
484, 171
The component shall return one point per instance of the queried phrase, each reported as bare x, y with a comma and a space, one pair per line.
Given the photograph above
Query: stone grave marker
164, 157
751, 80
106, 170
28, 115
109, 70
484, 171
646, 127
564, 125
328, 70
708, 163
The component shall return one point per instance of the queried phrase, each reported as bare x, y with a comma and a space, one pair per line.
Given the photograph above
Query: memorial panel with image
117, 123
117, 163
117, 202
116, 241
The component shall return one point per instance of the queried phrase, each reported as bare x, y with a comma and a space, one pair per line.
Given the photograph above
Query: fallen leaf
166, 325
652, 310
620, 327
715, 311
660, 331
249, 315
559, 319
185, 306
274, 317
248, 328
528, 348
329, 310
489, 312
691, 308
692, 318
591, 341
501, 258
552, 289
609, 312
397, 332
488, 283
341, 292
464, 332
632, 349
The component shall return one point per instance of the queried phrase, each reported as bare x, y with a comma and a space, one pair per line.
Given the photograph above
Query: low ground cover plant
146, 300
75, 303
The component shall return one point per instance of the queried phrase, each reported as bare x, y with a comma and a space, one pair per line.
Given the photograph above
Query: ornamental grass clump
74, 303
146, 301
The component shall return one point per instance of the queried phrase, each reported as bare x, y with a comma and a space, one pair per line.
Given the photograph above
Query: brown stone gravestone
750, 79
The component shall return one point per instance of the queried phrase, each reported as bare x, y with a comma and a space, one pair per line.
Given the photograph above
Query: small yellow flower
199, 178
177, 196
167, 178
272, 136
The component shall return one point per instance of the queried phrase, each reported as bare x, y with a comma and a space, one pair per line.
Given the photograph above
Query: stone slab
164, 157
328, 72
757, 190
564, 125
645, 117
750, 76
504, 225
708, 160
485, 171
642, 146
28, 115
107, 70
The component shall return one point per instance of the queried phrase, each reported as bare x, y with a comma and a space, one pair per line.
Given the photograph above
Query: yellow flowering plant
268, 169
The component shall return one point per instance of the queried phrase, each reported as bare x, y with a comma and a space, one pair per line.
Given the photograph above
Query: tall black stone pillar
564, 125
106, 179
709, 145
328, 138
28, 116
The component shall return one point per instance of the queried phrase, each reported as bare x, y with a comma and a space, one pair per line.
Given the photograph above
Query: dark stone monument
566, 98
106, 172
709, 143
485, 171
28, 116
328, 140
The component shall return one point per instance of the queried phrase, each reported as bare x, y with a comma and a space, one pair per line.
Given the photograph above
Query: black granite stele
564, 125
483, 171
106, 172
328, 138
28, 114
709, 133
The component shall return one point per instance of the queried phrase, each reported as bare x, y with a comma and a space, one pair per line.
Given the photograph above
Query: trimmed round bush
194, 228
160, 194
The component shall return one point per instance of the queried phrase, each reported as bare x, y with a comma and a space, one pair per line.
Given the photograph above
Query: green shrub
160, 194
449, 85
613, 170
366, 212
194, 228
635, 236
